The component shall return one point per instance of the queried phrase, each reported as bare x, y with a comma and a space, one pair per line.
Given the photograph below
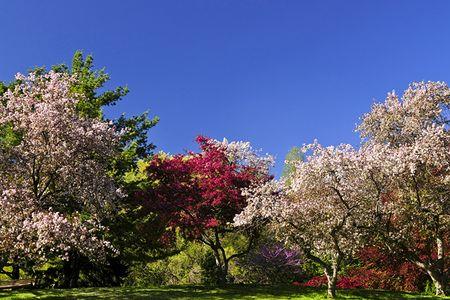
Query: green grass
202, 292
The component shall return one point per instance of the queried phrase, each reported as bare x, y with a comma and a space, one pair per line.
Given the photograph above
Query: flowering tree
53, 174
397, 184
322, 209
200, 193
408, 159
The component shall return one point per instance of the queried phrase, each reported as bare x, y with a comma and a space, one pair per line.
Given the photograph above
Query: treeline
86, 201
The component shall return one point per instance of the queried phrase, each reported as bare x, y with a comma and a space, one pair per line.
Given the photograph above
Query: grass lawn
201, 292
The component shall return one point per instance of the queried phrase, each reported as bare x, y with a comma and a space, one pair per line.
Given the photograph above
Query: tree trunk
222, 267
331, 274
71, 271
15, 274
221, 257
436, 269
437, 276
439, 282
224, 275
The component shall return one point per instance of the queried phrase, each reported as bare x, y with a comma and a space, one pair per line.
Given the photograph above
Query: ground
201, 292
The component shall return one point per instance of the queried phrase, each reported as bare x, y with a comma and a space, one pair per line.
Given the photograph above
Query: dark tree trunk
223, 274
221, 258
222, 267
15, 273
71, 271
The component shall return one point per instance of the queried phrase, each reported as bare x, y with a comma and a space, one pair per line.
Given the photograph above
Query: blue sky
276, 73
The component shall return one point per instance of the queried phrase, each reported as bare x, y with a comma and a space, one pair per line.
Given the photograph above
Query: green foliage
233, 242
194, 265
182, 268
89, 81
430, 288
134, 144
137, 177
3, 88
294, 155
48, 275
210, 273
9, 138
138, 236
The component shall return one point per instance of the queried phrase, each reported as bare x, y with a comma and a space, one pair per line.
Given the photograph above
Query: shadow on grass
204, 292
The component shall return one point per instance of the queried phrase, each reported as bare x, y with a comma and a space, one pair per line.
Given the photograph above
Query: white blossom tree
407, 150
321, 211
395, 188
55, 189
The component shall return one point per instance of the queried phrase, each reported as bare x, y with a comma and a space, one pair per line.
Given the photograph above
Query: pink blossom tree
54, 180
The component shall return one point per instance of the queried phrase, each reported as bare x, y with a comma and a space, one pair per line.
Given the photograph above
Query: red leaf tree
200, 193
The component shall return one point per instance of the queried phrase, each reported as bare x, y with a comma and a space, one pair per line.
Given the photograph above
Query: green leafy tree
292, 157
135, 144
134, 234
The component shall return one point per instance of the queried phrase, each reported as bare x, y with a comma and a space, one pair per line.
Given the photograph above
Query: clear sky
276, 73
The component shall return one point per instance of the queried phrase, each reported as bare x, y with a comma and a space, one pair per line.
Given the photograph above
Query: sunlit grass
202, 292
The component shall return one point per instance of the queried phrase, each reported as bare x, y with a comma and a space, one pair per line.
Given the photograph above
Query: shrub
183, 268
316, 281
272, 263
386, 271
378, 270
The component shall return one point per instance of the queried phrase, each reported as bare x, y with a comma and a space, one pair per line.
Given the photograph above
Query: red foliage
316, 281
358, 281
344, 282
380, 270
389, 271
197, 191
355, 280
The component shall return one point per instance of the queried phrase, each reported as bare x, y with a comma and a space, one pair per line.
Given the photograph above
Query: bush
389, 272
344, 282
183, 268
316, 281
210, 273
272, 263
378, 270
